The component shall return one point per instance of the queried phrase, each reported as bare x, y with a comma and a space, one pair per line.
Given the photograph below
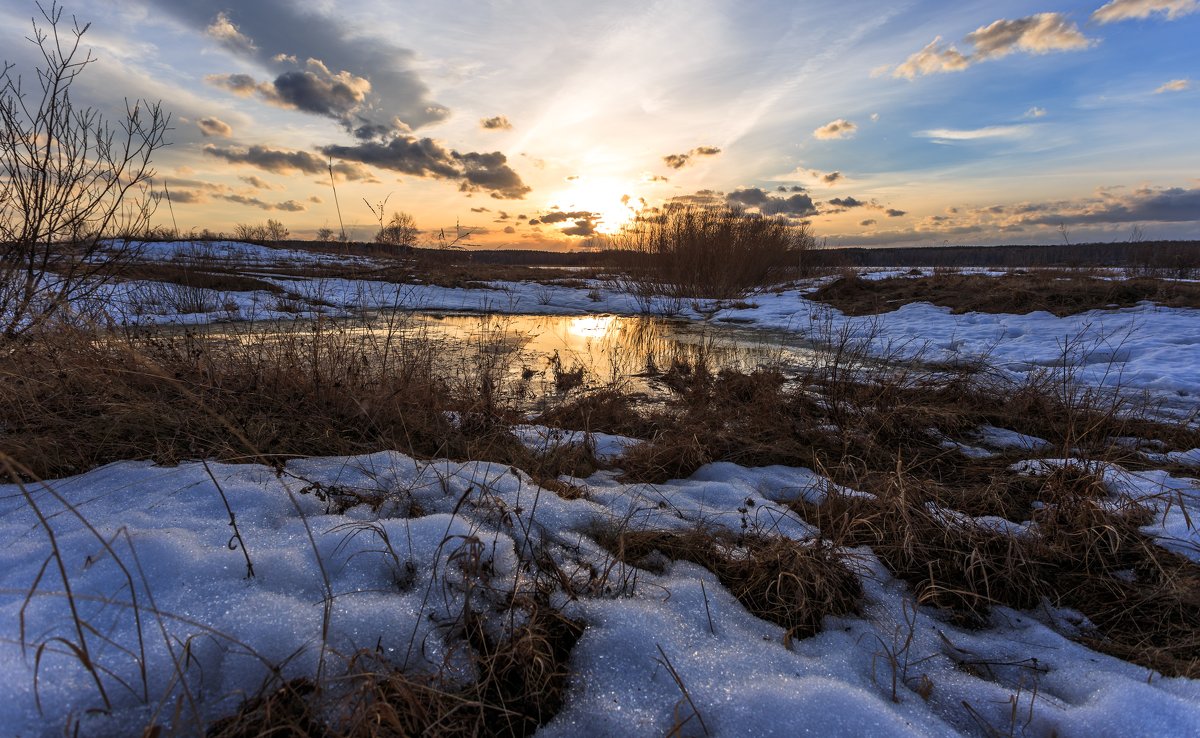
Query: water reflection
610, 348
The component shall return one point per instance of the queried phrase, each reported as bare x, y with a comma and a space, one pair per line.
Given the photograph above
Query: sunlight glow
611, 199
592, 326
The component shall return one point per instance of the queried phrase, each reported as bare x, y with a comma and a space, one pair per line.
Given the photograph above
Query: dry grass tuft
520, 684
792, 584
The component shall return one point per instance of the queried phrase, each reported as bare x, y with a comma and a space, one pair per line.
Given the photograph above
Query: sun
611, 200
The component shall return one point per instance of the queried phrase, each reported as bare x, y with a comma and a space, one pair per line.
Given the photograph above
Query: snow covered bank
158, 537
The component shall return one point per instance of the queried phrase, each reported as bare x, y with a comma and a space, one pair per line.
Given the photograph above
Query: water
611, 348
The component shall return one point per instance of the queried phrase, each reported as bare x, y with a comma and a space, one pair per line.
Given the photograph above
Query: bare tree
70, 180
401, 231
275, 230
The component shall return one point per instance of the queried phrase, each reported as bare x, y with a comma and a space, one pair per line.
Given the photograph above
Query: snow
391, 581
157, 544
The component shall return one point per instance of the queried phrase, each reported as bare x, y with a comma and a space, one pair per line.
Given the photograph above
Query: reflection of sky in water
613, 347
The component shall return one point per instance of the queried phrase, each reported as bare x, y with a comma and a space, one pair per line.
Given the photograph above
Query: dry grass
520, 683
1057, 292
792, 584
74, 400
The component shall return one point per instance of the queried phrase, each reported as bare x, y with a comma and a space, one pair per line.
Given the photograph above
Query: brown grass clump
520, 684
605, 410
1143, 600
1061, 293
794, 585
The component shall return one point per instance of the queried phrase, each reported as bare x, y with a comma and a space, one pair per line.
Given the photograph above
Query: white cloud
1175, 85
974, 134
1042, 33
935, 57
840, 128
1035, 112
223, 30
1036, 34
1119, 10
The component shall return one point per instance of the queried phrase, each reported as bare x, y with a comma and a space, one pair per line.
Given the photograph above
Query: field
256, 489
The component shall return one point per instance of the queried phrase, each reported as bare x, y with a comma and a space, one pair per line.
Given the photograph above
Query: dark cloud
275, 32
495, 123
582, 228
679, 161
424, 157
291, 206
256, 182
894, 213
847, 202
559, 216
798, 205
1169, 205
284, 162
751, 197
480, 210
214, 127
509, 229
867, 222
828, 177
314, 89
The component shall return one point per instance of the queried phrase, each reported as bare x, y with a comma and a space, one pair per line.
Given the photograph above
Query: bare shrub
687, 251
70, 179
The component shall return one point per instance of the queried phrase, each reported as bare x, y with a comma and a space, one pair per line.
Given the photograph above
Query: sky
550, 123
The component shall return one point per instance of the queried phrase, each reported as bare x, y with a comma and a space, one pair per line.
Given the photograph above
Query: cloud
828, 177
1175, 85
582, 229
284, 162
1041, 33
583, 222
495, 123
1035, 112
867, 222
1167, 205
840, 128
314, 89
798, 205
257, 183
509, 229
291, 206
894, 213
934, 58
229, 36
214, 127
559, 216
976, 134
274, 33
1119, 10
679, 161
847, 202
424, 157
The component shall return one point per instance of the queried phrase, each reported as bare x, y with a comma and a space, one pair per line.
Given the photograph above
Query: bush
721, 253
70, 181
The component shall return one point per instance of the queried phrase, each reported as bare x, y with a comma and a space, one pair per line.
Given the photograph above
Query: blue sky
877, 123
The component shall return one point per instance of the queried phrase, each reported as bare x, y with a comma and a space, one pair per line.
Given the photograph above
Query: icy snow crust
737, 669
213, 636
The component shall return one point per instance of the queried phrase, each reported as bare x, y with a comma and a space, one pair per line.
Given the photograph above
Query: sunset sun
611, 202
